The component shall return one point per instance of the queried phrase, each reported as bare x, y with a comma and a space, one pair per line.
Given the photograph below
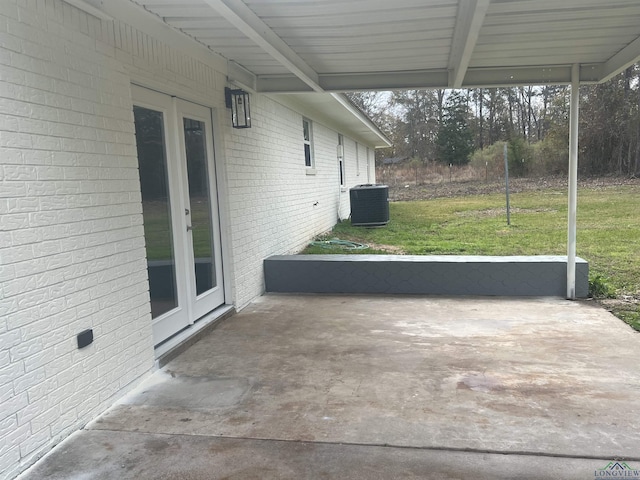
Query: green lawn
157, 229
608, 231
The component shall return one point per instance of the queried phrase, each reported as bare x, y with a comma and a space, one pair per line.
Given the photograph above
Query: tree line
461, 126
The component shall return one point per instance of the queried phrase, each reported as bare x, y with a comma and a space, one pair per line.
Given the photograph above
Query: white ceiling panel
299, 34
346, 37
388, 48
335, 45
388, 20
183, 10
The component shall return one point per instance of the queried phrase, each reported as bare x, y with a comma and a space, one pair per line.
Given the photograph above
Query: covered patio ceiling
293, 46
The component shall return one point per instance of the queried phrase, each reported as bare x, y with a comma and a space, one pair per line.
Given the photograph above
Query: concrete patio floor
367, 387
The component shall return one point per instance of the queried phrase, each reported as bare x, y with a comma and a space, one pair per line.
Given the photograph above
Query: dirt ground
624, 306
426, 191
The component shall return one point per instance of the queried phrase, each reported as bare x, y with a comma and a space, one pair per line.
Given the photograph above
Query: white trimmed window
341, 160
308, 143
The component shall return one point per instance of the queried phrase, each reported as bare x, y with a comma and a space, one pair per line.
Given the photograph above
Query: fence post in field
506, 177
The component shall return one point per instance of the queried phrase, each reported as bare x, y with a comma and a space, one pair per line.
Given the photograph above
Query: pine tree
455, 140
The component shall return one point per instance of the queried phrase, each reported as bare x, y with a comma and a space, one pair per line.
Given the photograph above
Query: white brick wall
359, 169
275, 205
71, 238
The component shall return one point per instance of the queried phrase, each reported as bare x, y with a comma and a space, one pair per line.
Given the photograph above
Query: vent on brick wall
369, 205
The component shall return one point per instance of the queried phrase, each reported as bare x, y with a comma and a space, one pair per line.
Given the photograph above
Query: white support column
573, 182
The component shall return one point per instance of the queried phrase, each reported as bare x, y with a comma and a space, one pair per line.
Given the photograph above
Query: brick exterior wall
71, 237
274, 203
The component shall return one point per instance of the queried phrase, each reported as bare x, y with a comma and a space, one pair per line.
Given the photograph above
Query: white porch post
573, 182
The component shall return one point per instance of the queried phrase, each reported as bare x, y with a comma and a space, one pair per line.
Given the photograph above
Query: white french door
180, 210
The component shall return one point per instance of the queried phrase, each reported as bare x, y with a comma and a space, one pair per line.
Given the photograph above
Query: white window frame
307, 127
341, 164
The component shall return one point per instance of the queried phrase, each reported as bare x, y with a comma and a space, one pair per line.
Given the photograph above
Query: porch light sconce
238, 101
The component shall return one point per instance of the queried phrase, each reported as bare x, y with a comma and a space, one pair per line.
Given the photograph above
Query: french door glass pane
152, 161
200, 199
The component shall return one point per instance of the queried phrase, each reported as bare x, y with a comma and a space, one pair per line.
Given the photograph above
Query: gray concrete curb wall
427, 275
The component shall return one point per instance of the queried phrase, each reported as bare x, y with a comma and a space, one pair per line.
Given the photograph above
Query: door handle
189, 228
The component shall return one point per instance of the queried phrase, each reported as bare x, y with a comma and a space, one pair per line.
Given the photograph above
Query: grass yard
158, 235
608, 233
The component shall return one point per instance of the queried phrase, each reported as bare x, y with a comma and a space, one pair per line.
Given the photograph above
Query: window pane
156, 209
200, 200
307, 154
307, 134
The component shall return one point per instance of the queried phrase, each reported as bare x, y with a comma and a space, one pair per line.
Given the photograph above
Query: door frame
142, 84
184, 109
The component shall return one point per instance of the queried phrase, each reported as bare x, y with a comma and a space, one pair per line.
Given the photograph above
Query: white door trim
186, 313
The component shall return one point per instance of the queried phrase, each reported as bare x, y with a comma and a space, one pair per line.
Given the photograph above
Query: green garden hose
336, 243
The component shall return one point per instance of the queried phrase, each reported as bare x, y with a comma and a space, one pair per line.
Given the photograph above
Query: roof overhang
289, 46
299, 46
336, 111
474, 78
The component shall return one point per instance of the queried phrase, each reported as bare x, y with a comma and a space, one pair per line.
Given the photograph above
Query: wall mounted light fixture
238, 101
